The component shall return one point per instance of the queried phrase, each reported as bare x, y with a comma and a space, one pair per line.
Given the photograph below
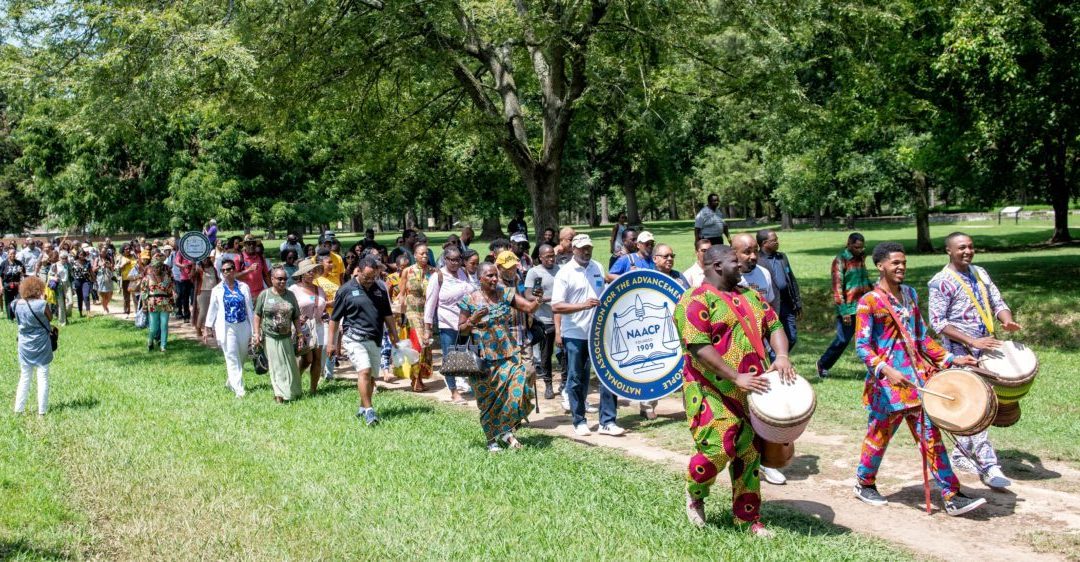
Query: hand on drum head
783, 366
965, 361
989, 342
748, 382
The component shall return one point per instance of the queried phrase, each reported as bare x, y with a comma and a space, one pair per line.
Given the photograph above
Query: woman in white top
228, 317
312, 301
444, 291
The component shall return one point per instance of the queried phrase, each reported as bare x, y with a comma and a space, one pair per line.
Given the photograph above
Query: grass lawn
147, 456
1042, 286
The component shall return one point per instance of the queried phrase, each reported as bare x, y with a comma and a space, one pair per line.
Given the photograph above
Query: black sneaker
960, 504
549, 394
822, 373
870, 495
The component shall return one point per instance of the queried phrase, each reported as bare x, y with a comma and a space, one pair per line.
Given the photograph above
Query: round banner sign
633, 344
195, 246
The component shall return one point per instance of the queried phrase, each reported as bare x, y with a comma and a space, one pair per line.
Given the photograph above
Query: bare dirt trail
821, 476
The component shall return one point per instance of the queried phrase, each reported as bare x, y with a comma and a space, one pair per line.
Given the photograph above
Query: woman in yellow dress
411, 300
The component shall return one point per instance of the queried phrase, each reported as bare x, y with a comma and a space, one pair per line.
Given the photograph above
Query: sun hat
305, 266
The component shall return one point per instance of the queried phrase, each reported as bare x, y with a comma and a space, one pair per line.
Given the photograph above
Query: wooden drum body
972, 409
1013, 367
780, 416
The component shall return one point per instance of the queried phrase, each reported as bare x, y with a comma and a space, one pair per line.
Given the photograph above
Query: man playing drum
892, 340
721, 327
963, 305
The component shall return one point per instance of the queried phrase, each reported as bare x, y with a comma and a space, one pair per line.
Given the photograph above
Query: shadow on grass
536, 440
20, 549
86, 403
1025, 466
405, 410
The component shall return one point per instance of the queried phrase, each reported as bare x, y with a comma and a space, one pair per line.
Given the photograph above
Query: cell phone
538, 286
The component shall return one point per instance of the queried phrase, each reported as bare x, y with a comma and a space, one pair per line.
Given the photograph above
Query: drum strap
750, 326
909, 340
982, 307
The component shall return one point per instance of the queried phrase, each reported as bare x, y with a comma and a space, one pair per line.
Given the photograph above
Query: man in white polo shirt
574, 298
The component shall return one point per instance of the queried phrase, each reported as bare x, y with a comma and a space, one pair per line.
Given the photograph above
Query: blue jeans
844, 333
159, 328
577, 383
787, 318
447, 338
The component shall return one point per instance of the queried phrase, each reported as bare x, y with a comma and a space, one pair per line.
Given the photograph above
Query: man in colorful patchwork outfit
891, 338
963, 305
849, 283
722, 328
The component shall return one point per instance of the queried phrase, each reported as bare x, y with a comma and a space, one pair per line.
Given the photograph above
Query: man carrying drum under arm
963, 305
722, 328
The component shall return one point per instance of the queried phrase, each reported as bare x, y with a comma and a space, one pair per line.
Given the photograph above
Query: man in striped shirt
849, 283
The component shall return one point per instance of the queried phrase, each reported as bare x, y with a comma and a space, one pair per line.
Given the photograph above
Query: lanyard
982, 307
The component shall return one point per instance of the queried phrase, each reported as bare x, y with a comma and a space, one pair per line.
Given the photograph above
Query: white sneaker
590, 409
773, 476
582, 429
463, 386
994, 478
611, 429
565, 401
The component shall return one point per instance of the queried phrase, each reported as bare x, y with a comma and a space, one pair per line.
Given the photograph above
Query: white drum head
1012, 361
783, 402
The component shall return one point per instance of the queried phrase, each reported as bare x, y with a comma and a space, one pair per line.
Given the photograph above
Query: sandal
510, 440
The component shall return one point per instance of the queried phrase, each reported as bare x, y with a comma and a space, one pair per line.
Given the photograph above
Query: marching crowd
302, 307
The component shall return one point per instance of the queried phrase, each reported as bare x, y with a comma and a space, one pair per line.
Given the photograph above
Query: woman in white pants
35, 347
228, 317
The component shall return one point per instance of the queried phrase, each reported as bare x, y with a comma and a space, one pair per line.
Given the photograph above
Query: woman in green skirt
504, 395
277, 315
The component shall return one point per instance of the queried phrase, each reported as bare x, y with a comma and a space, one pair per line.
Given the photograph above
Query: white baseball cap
519, 237
581, 241
644, 237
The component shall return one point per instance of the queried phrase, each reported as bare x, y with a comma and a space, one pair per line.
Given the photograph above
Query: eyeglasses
453, 260
672, 256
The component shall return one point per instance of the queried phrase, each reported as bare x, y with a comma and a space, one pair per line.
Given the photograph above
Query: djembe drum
1011, 370
970, 405
780, 416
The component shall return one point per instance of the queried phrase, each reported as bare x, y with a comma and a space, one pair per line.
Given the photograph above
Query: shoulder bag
54, 332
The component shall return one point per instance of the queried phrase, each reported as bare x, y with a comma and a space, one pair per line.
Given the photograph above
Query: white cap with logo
581, 241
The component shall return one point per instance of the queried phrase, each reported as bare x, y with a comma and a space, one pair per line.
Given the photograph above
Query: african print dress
415, 298
505, 397
717, 409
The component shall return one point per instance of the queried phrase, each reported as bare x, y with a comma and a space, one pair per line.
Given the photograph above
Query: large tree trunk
492, 228
1059, 193
357, 222
818, 223
605, 213
629, 189
921, 185
785, 219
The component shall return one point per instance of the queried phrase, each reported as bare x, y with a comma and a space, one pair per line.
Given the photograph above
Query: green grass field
147, 456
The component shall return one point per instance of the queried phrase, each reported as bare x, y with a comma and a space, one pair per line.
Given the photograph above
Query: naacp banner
633, 344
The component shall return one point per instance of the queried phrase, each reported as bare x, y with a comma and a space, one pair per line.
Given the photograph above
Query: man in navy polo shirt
363, 308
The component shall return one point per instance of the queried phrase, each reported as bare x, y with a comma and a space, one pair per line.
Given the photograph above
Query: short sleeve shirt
575, 284
547, 282
710, 222
630, 262
704, 317
278, 313
361, 311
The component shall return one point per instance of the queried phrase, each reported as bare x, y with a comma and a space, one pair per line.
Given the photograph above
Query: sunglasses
228, 269
664, 256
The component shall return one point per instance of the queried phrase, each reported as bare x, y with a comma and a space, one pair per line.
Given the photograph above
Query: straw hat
304, 267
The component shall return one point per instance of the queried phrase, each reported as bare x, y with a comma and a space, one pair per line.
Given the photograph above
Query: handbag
140, 317
258, 358
54, 332
462, 361
306, 336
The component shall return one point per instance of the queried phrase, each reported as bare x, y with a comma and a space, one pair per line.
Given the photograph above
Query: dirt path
820, 480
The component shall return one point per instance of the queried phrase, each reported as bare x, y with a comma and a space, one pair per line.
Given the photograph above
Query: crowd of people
314, 304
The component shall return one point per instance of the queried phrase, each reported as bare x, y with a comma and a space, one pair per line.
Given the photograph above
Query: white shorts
362, 354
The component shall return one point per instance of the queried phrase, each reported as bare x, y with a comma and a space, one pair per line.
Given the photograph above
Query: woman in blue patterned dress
504, 396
